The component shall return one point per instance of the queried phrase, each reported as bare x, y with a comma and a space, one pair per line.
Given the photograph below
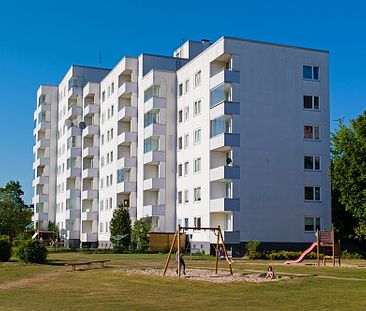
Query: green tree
14, 213
121, 228
348, 174
140, 238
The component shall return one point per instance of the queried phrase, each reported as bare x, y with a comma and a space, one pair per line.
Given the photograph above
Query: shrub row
5, 248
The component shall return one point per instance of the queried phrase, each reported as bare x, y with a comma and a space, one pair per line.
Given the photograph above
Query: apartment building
234, 133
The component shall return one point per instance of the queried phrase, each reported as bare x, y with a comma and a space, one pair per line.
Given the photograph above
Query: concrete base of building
89, 244
73, 243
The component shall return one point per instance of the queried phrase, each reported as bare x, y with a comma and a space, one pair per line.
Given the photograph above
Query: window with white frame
312, 193
197, 137
186, 168
180, 89
180, 170
186, 86
197, 165
101, 205
312, 162
112, 133
312, 223
310, 72
197, 78
186, 140
186, 113
180, 197
101, 227
197, 107
311, 132
186, 196
197, 194
110, 202
311, 102
180, 143
180, 116
197, 222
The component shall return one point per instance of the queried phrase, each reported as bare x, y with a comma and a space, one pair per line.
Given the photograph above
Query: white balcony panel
127, 88
155, 103
126, 162
89, 237
72, 234
90, 152
225, 76
224, 141
223, 173
154, 183
224, 205
75, 91
40, 216
225, 108
126, 113
126, 187
42, 143
90, 216
133, 212
91, 109
74, 152
154, 130
73, 172
40, 180
74, 131
126, 138
44, 125
74, 111
72, 193
153, 157
41, 162
89, 194
90, 173
91, 130
154, 210
72, 214
40, 198
231, 237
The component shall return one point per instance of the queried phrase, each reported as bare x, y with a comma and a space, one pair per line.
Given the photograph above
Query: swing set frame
219, 236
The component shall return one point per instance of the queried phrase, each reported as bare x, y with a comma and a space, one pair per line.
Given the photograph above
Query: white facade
234, 134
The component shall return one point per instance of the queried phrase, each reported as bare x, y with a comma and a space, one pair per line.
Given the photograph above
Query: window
102, 183
102, 139
152, 117
197, 107
123, 175
112, 133
220, 93
312, 224
107, 181
111, 179
112, 110
197, 165
186, 113
186, 168
151, 144
197, 194
179, 197
312, 163
111, 156
312, 193
106, 226
101, 205
186, 222
180, 116
197, 78
101, 227
152, 91
310, 72
311, 102
186, 196
103, 96
229, 190
110, 203
186, 86
186, 140
180, 170
311, 132
197, 136
112, 88
102, 161
180, 143
197, 222
180, 89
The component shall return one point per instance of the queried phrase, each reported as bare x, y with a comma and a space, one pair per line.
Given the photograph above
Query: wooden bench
88, 264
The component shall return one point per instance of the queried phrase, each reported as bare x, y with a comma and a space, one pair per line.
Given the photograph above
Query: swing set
176, 239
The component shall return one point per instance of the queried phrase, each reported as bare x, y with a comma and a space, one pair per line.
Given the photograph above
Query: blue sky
39, 40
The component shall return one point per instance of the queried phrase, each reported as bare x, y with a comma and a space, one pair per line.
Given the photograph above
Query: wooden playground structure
331, 249
176, 240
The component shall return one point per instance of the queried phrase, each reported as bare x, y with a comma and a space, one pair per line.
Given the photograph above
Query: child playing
270, 274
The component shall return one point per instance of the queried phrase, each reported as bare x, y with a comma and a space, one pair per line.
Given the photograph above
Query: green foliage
5, 248
14, 213
121, 228
32, 251
252, 248
348, 173
351, 255
140, 238
53, 227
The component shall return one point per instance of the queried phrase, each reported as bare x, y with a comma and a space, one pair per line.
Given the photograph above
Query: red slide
307, 251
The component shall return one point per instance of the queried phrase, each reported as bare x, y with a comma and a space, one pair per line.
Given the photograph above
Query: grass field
55, 287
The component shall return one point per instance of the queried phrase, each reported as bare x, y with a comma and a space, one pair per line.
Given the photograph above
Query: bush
351, 255
252, 248
32, 251
5, 248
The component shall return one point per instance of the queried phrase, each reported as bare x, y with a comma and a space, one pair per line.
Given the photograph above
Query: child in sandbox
270, 274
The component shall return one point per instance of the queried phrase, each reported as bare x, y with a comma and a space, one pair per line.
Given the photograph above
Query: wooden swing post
224, 248
171, 249
217, 250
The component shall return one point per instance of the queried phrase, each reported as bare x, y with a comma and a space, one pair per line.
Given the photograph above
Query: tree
348, 174
14, 213
140, 239
121, 228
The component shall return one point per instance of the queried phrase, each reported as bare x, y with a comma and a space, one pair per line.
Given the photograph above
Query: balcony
44, 125
73, 172
223, 173
40, 198
154, 157
125, 138
126, 113
155, 103
126, 162
40, 180
154, 130
90, 152
154, 184
74, 92
224, 205
224, 142
91, 109
126, 187
74, 152
231, 237
225, 76
74, 131
72, 193
72, 234
72, 214
89, 216
42, 143
89, 194
43, 107
41, 162
133, 212
127, 88
225, 108
91, 130
89, 237
154, 210
40, 216
90, 173
74, 111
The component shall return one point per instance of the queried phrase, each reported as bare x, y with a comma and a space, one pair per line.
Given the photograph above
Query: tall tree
121, 228
14, 213
140, 237
348, 173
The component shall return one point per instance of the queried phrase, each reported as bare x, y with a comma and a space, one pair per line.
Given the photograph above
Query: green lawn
54, 287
